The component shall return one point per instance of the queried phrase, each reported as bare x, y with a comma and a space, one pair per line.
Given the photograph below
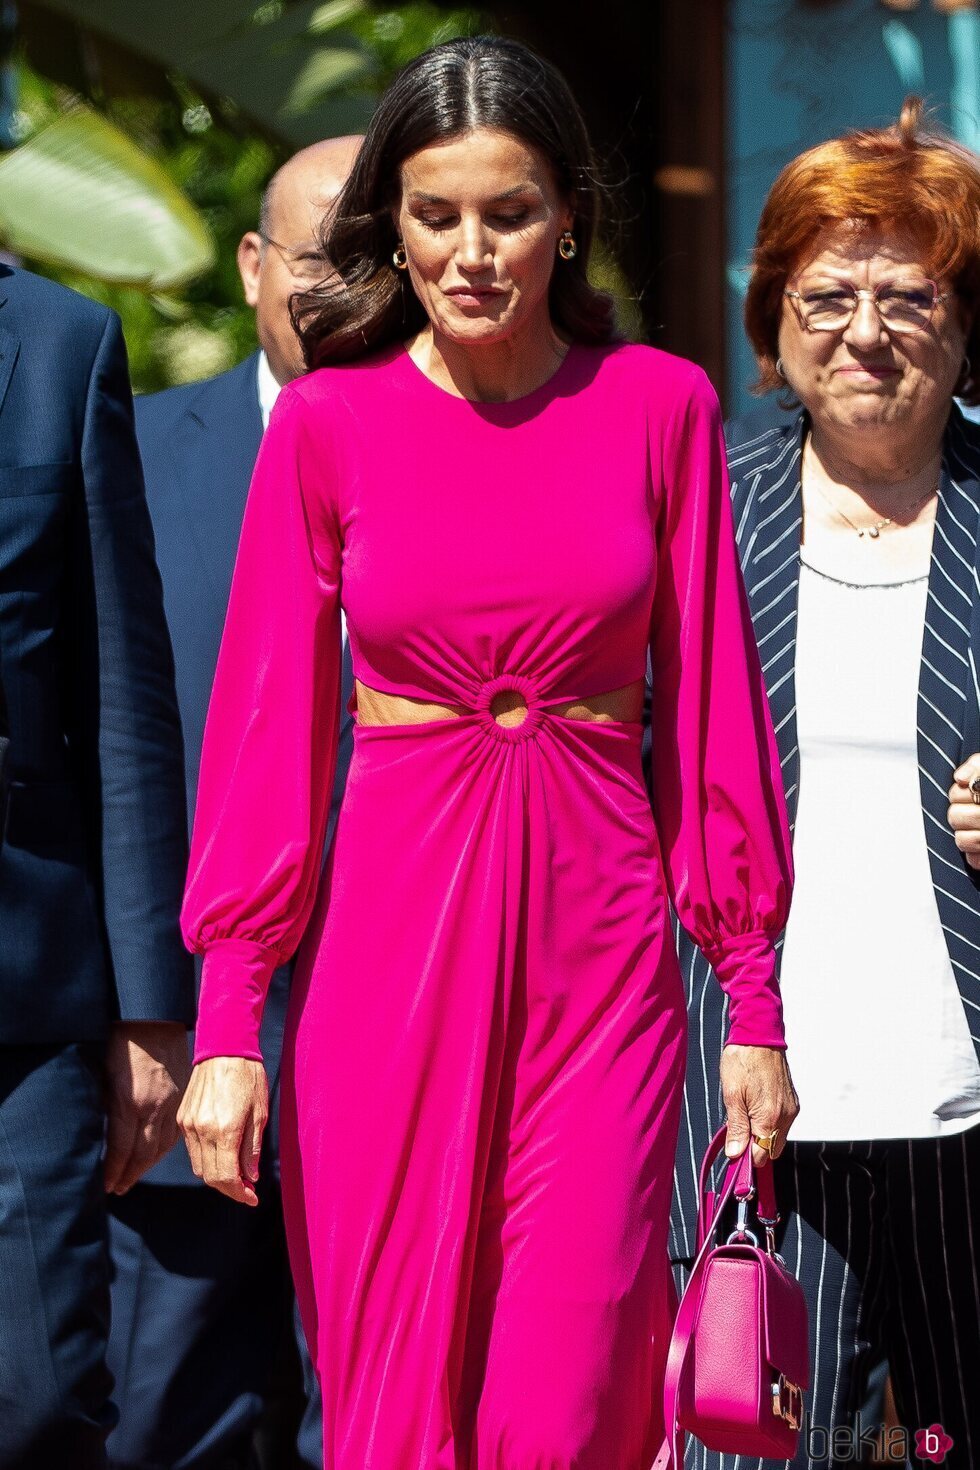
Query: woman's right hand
222, 1117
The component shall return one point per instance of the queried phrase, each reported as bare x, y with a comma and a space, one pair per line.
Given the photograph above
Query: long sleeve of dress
717, 791
270, 741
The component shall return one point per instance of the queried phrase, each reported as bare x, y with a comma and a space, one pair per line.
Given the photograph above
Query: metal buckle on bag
787, 1401
769, 1225
742, 1231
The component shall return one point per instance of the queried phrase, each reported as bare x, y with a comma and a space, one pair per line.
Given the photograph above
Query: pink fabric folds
270, 740
484, 1056
441, 600
717, 788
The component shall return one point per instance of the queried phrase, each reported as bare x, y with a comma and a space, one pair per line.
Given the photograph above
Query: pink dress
486, 1045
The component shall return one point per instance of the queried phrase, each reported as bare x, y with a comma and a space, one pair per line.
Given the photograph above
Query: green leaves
217, 93
327, 69
335, 13
79, 194
296, 70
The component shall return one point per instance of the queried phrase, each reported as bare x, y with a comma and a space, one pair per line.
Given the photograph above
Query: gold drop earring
567, 246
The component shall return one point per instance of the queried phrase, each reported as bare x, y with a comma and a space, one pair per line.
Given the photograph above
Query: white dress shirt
269, 389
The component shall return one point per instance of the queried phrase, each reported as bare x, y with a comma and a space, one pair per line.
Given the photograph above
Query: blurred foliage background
218, 155
137, 138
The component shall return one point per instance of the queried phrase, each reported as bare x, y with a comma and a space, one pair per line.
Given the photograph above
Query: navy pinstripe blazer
765, 470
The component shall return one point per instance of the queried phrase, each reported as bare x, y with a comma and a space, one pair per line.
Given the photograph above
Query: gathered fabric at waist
454, 774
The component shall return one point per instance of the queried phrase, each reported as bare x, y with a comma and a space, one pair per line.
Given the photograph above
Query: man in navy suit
202, 1301
96, 992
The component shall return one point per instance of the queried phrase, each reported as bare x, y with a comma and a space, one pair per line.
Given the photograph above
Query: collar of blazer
229, 403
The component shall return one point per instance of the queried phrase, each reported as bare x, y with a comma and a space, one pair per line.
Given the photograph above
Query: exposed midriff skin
621, 706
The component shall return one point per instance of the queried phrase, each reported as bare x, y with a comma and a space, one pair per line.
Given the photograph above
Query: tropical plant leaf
265, 57
327, 70
80, 194
335, 13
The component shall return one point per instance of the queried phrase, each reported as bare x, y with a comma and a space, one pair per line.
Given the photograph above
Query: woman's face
867, 373
480, 216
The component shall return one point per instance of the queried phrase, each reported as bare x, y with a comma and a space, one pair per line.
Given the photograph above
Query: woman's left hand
759, 1097
964, 814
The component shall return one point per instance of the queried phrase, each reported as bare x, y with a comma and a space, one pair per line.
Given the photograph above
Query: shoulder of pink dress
642, 365
362, 377
633, 366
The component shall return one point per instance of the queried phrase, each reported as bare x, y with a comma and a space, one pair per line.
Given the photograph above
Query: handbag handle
749, 1181
742, 1180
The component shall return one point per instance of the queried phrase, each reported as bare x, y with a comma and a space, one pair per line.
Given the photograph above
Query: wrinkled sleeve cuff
234, 983
745, 965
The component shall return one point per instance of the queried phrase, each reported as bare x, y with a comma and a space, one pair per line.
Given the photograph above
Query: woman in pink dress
484, 1059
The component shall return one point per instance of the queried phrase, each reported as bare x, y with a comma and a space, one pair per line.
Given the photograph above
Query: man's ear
249, 257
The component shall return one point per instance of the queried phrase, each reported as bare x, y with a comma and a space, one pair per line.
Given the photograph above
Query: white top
878, 1040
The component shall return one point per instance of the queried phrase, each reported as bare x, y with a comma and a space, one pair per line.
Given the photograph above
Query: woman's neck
885, 470
495, 373
889, 497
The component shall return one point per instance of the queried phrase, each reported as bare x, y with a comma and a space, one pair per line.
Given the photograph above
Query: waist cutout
509, 707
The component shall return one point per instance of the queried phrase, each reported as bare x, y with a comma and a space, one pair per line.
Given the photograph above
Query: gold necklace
873, 531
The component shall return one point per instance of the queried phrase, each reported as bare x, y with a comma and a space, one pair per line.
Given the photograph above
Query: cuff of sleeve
234, 983
745, 965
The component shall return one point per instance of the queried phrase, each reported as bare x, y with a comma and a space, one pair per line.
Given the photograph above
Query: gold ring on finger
768, 1142
975, 789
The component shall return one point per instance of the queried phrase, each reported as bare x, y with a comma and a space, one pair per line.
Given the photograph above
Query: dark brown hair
472, 82
906, 178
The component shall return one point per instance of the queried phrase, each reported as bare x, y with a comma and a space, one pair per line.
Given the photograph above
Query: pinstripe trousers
885, 1239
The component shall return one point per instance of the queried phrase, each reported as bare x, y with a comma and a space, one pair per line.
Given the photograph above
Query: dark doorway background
650, 77
651, 81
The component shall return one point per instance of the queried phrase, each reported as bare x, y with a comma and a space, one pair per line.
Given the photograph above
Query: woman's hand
964, 814
759, 1096
222, 1117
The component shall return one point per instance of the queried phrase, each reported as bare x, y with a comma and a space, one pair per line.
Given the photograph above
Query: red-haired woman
859, 532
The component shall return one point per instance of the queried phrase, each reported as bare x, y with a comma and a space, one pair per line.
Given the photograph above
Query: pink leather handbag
739, 1357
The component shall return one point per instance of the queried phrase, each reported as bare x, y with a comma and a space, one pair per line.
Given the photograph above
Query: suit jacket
198, 445
764, 464
95, 853
4, 756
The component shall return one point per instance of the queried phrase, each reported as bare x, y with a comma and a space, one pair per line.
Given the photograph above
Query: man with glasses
283, 256
203, 1315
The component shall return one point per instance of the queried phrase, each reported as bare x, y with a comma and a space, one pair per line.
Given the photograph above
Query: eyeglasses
905, 305
304, 262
